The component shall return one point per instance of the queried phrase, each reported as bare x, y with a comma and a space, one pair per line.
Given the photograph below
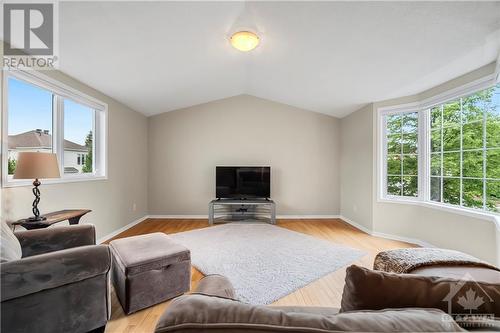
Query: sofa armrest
215, 285
39, 241
51, 270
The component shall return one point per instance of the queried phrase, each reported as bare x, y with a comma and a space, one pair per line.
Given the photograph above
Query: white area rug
264, 262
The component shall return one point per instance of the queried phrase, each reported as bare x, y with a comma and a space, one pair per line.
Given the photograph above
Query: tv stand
231, 210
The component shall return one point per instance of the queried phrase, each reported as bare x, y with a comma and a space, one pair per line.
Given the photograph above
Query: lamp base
36, 219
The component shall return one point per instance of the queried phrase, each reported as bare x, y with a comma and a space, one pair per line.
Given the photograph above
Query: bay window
452, 145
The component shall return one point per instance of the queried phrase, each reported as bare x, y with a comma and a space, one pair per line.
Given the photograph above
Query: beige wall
356, 160
440, 228
302, 148
111, 200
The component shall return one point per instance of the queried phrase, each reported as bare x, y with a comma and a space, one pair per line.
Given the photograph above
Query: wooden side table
72, 215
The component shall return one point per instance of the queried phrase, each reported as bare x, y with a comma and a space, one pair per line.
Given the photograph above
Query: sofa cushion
51, 270
215, 285
10, 248
318, 310
56, 238
147, 252
374, 290
200, 313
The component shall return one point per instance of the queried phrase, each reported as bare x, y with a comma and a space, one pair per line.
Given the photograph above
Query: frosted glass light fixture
244, 41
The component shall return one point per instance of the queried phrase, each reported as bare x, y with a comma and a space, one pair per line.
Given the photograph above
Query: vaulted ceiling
329, 57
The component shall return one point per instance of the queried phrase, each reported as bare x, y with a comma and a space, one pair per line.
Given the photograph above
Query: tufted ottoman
149, 269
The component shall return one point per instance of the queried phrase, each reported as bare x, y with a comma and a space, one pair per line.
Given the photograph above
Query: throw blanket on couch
406, 260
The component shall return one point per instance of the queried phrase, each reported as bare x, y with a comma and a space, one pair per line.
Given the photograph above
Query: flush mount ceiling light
244, 40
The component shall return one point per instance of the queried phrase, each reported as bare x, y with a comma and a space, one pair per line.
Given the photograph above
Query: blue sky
31, 108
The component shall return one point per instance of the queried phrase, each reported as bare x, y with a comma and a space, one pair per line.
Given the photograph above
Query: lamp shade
31, 165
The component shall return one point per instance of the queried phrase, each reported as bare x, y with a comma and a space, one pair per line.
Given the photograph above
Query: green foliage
451, 164
451, 191
493, 195
410, 165
410, 186
11, 166
87, 168
394, 165
472, 193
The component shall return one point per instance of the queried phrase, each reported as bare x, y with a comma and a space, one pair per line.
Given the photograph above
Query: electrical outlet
134, 207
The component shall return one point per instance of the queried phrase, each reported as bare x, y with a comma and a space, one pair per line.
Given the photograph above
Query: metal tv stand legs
232, 210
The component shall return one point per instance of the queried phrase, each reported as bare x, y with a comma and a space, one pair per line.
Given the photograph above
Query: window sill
74, 179
492, 217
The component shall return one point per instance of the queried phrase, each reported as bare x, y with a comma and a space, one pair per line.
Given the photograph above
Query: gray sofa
61, 283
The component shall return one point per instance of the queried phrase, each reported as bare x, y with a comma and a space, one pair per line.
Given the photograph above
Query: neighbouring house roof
39, 139
70, 170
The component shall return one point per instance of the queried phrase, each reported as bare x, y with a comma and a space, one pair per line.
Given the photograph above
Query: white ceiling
329, 57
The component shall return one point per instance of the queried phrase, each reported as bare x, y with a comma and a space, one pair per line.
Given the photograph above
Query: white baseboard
403, 239
356, 225
122, 229
384, 235
177, 216
291, 217
297, 217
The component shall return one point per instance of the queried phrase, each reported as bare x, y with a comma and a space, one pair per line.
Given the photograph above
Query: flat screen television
242, 182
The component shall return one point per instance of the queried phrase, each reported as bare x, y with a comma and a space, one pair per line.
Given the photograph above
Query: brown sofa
212, 308
61, 283
382, 302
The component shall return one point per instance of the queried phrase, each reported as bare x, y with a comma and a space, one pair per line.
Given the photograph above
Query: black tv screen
240, 182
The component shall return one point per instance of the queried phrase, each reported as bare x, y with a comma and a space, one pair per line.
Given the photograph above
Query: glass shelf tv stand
233, 210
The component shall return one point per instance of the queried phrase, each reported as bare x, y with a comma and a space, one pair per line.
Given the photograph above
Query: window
45, 116
81, 158
402, 154
465, 151
460, 151
78, 137
28, 130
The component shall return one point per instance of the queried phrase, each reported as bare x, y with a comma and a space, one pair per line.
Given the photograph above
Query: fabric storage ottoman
149, 269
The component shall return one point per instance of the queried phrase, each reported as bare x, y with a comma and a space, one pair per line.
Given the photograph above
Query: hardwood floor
326, 291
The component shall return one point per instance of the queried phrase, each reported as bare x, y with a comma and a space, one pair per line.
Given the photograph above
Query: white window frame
423, 107
60, 92
420, 139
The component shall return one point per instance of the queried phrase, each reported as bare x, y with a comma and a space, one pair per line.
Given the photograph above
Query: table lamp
31, 165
